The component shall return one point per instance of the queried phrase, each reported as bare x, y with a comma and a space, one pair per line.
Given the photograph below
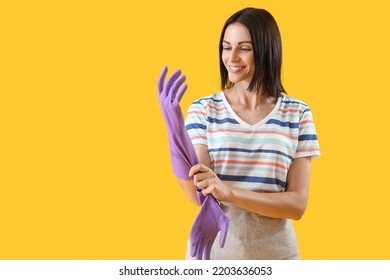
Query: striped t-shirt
253, 157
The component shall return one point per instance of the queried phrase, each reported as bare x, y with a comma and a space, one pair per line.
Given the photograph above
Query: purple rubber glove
210, 220
183, 155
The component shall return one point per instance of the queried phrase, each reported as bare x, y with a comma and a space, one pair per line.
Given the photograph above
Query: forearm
188, 186
290, 205
189, 190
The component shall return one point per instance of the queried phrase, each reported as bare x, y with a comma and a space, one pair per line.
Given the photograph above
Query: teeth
236, 67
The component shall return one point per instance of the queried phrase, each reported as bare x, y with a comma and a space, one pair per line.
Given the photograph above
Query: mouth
235, 69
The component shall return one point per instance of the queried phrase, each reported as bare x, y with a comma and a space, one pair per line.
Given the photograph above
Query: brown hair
267, 50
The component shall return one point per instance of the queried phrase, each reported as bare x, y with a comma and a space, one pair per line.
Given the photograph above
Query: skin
238, 59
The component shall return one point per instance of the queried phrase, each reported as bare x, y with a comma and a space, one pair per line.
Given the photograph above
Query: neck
251, 100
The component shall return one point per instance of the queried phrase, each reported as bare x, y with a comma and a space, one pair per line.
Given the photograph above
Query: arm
211, 219
170, 92
188, 187
289, 204
183, 153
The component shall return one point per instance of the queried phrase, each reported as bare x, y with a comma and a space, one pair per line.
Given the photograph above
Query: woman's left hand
208, 181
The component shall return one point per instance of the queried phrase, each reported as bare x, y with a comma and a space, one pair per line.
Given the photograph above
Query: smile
236, 68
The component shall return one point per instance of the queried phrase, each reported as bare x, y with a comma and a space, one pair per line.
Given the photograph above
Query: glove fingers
181, 92
161, 78
196, 245
207, 250
194, 240
175, 87
223, 225
193, 248
200, 249
171, 80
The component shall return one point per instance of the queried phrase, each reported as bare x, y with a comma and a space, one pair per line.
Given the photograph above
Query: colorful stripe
253, 157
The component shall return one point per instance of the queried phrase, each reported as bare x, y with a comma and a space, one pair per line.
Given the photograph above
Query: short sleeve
307, 139
196, 123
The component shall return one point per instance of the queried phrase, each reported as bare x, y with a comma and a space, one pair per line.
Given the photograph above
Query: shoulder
213, 99
292, 104
200, 108
207, 104
289, 101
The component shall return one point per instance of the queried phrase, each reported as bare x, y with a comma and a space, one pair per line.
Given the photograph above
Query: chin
237, 80
234, 79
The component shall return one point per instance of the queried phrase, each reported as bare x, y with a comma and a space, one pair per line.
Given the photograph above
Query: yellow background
84, 162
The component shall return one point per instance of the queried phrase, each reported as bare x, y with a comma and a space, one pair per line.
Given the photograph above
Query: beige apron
254, 237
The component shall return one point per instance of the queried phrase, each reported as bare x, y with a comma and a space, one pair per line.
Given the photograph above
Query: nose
234, 55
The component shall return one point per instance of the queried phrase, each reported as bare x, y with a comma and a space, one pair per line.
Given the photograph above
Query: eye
226, 48
246, 49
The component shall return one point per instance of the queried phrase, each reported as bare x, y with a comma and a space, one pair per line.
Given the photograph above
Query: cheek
251, 65
252, 60
224, 58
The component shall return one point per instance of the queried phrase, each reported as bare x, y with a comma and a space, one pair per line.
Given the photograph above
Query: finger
202, 184
224, 225
181, 92
195, 235
207, 191
171, 80
207, 250
194, 231
201, 176
161, 78
194, 247
198, 255
200, 248
193, 250
204, 249
198, 168
194, 242
175, 87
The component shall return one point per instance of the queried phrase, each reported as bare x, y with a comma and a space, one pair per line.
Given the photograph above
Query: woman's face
237, 53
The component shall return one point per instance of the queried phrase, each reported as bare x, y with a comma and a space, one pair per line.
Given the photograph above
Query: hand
210, 220
209, 183
183, 154
169, 97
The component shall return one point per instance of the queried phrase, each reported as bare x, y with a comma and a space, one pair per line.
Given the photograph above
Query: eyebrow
242, 42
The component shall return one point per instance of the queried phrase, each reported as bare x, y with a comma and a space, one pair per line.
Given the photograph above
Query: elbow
298, 206
298, 212
297, 216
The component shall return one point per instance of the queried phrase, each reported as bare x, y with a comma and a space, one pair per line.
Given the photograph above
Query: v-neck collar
245, 124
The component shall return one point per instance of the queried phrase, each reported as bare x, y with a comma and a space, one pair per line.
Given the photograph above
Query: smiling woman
254, 144
237, 54
257, 34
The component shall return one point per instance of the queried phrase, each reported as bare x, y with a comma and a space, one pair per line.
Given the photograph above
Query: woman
254, 144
